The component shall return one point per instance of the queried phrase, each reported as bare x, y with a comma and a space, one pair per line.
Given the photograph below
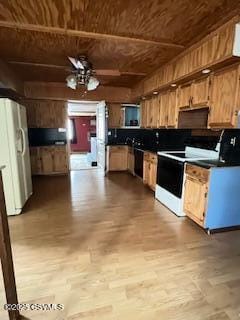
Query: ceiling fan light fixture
93, 83
71, 81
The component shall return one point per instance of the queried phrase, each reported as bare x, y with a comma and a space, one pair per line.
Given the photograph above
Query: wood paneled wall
59, 91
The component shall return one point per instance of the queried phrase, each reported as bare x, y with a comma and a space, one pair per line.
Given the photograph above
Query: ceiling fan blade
107, 72
76, 63
130, 73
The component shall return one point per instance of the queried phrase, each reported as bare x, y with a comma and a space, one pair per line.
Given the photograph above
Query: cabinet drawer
113, 149
197, 172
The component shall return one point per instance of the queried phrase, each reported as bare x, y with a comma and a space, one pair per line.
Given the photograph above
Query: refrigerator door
15, 145
25, 155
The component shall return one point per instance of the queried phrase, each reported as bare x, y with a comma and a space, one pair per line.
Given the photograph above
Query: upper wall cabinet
224, 98
163, 110
219, 47
160, 111
46, 114
172, 108
194, 95
184, 96
143, 116
200, 92
115, 119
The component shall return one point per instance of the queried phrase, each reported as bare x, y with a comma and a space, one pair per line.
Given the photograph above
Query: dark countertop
208, 164
141, 148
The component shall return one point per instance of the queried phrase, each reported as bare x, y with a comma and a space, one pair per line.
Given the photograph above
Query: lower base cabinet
150, 170
195, 195
211, 196
117, 158
49, 160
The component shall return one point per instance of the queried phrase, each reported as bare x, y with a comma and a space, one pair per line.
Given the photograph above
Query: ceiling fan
84, 74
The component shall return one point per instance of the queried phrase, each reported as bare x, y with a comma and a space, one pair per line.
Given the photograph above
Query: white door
15, 142
25, 152
101, 134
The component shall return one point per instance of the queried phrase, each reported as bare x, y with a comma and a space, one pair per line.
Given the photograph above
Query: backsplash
163, 139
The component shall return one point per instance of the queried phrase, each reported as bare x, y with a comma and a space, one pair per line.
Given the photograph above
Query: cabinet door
183, 98
149, 111
60, 160
172, 109
163, 111
200, 92
59, 112
154, 112
146, 168
114, 115
31, 115
46, 157
35, 160
223, 97
118, 158
153, 175
143, 114
195, 199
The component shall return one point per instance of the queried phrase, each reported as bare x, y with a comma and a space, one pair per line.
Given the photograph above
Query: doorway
84, 134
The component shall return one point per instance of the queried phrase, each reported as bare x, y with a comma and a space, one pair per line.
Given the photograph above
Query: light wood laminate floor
106, 249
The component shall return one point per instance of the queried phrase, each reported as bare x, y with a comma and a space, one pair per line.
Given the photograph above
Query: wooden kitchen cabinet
46, 160
154, 112
224, 98
200, 92
49, 160
117, 158
184, 96
115, 119
163, 110
143, 108
172, 109
130, 165
150, 170
195, 193
149, 113
45, 114
194, 95
60, 160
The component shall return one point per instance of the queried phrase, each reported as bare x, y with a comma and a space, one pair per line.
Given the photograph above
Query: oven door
170, 174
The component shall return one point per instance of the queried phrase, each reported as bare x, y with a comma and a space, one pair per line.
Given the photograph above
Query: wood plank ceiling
134, 36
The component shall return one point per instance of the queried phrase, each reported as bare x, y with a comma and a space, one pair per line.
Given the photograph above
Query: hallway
106, 249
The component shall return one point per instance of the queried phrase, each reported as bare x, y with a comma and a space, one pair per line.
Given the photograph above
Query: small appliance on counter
171, 176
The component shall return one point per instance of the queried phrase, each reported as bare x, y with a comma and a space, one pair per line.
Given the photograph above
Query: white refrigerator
14, 155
